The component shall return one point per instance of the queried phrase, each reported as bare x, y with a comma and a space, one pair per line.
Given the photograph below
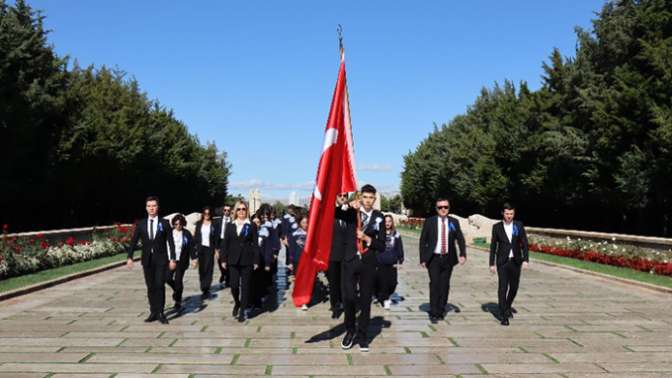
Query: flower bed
19, 256
412, 223
604, 252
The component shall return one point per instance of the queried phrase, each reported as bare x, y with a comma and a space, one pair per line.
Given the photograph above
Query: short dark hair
368, 188
508, 206
152, 198
443, 199
179, 218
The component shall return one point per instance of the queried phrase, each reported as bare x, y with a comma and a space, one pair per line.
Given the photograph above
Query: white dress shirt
239, 225
225, 220
508, 228
177, 238
153, 228
205, 234
439, 225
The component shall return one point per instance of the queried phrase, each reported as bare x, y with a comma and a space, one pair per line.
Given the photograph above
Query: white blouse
205, 234
177, 239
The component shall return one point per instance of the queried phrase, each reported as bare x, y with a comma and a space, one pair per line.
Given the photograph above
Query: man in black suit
226, 218
156, 238
438, 253
360, 263
335, 260
508, 247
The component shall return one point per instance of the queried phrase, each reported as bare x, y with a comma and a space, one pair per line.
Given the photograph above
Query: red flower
70, 241
44, 244
40, 236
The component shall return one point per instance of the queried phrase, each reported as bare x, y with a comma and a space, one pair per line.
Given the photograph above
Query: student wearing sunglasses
240, 255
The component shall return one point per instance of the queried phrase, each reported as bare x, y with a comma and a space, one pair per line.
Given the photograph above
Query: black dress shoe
236, 309
348, 340
505, 322
509, 314
433, 319
241, 317
334, 314
162, 318
205, 295
152, 317
178, 306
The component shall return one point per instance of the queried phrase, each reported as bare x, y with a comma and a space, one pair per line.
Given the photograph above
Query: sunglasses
442, 208
241, 209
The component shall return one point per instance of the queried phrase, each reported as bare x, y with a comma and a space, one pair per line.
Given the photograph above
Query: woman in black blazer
240, 254
184, 248
205, 240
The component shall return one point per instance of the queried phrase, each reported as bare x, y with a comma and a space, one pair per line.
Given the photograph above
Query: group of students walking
365, 254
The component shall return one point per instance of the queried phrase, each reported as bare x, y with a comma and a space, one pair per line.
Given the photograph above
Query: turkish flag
335, 174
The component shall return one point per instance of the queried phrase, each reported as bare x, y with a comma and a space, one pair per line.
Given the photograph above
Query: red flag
335, 174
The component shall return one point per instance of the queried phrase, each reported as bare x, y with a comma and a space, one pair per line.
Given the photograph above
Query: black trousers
175, 279
240, 284
440, 269
358, 274
261, 280
223, 274
509, 278
335, 288
386, 281
155, 280
206, 263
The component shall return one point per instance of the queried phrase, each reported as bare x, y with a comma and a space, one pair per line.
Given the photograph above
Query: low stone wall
640, 241
55, 236
479, 226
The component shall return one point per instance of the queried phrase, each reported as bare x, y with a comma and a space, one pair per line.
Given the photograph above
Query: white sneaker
386, 304
304, 308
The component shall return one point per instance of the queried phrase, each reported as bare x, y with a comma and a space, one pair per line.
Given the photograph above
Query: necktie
444, 242
365, 220
151, 229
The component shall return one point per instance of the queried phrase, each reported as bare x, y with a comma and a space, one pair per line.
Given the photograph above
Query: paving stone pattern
567, 325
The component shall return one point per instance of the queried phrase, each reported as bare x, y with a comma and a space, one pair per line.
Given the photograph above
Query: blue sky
256, 77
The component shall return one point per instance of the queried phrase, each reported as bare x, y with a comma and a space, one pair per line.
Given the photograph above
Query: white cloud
265, 185
374, 167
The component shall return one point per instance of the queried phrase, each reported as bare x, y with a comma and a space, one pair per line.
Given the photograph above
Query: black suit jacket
240, 249
338, 241
156, 249
429, 237
188, 249
500, 246
214, 234
375, 229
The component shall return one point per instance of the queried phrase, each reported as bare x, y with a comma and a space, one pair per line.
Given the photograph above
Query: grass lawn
50, 274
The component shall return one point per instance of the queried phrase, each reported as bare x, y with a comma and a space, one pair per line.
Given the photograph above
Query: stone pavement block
433, 370
293, 359
624, 357
305, 370
212, 369
42, 357
78, 368
542, 368
637, 367
161, 358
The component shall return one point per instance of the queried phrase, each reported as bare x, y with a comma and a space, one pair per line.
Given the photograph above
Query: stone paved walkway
567, 325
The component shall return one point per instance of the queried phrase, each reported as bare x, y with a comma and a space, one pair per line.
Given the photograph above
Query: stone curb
56, 281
